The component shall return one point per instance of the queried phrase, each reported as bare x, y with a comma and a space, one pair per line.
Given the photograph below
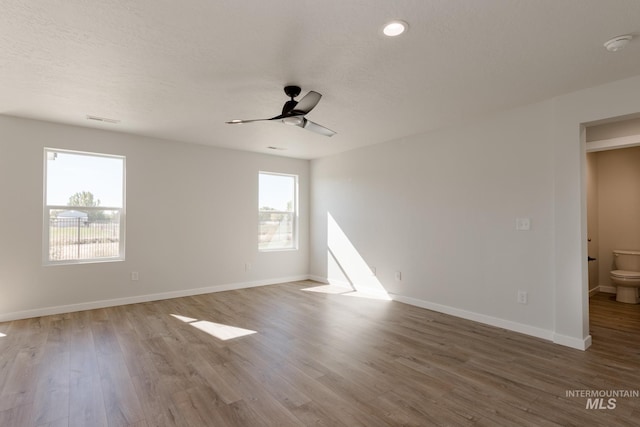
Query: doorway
613, 204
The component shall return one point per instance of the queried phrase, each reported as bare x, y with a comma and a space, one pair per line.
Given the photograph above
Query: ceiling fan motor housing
292, 91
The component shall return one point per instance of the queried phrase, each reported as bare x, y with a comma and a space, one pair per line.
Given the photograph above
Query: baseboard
343, 283
549, 335
476, 317
607, 289
469, 315
47, 311
567, 341
579, 344
318, 278
602, 288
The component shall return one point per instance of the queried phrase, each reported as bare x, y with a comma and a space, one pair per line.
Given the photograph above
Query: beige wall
618, 177
592, 219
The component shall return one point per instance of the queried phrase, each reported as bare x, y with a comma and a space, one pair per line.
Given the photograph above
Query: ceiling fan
294, 112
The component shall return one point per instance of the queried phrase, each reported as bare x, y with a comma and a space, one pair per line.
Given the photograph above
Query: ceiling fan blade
314, 127
307, 102
239, 122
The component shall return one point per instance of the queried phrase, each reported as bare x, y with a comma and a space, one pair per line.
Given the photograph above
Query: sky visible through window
70, 173
276, 191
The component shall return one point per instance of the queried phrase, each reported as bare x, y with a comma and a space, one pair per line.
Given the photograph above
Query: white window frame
47, 209
295, 219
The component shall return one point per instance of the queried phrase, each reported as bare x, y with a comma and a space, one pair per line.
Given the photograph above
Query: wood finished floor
315, 359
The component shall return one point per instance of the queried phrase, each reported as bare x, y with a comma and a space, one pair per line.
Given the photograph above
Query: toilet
627, 276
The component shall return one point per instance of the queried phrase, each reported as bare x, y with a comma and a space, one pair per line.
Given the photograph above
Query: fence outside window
276, 230
82, 237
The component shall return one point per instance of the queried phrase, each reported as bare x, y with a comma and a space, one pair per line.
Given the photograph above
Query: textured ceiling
179, 70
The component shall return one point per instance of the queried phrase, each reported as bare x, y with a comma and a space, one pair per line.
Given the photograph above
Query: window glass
277, 210
84, 207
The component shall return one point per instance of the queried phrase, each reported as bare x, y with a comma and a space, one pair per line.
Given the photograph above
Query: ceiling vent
102, 119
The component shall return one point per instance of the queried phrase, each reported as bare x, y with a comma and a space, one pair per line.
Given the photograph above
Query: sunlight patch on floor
217, 330
330, 289
185, 319
347, 292
2, 335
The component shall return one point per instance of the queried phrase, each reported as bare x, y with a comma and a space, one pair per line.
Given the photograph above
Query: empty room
360, 213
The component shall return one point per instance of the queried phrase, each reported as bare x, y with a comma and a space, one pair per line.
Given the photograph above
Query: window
278, 211
84, 214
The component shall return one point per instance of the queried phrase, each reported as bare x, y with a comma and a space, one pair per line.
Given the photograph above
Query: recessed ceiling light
618, 43
395, 28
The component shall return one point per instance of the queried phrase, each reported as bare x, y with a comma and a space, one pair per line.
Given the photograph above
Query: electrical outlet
523, 224
135, 275
247, 266
522, 297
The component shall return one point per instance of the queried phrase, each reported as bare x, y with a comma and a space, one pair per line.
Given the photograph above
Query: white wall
191, 221
441, 208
